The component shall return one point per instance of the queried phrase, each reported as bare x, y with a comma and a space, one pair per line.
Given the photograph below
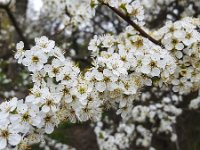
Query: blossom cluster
79, 13
68, 14
182, 40
133, 9
49, 143
62, 92
40, 111
140, 125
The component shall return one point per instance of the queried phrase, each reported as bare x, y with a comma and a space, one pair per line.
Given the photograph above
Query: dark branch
134, 25
15, 24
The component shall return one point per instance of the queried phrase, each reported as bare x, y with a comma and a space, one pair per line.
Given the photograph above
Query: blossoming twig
134, 25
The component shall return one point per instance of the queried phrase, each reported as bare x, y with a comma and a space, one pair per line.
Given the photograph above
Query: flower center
25, 117
139, 43
65, 91
5, 134
35, 59
152, 64
67, 77
47, 118
49, 103
174, 41
82, 90
55, 70
188, 36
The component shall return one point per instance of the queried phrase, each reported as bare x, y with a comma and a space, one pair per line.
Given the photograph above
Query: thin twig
15, 24
134, 25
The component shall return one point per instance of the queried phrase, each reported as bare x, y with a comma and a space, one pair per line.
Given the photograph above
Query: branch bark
15, 24
134, 25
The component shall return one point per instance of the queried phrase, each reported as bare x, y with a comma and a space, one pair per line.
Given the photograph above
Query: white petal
99, 76
49, 128
15, 128
168, 46
148, 82
45, 109
3, 143
36, 121
179, 54
179, 46
54, 108
155, 72
100, 86
145, 69
14, 139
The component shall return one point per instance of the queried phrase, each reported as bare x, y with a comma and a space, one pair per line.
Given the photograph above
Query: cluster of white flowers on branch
141, 124
122, 66
49, 144
130, 8
70, 15
182, 40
